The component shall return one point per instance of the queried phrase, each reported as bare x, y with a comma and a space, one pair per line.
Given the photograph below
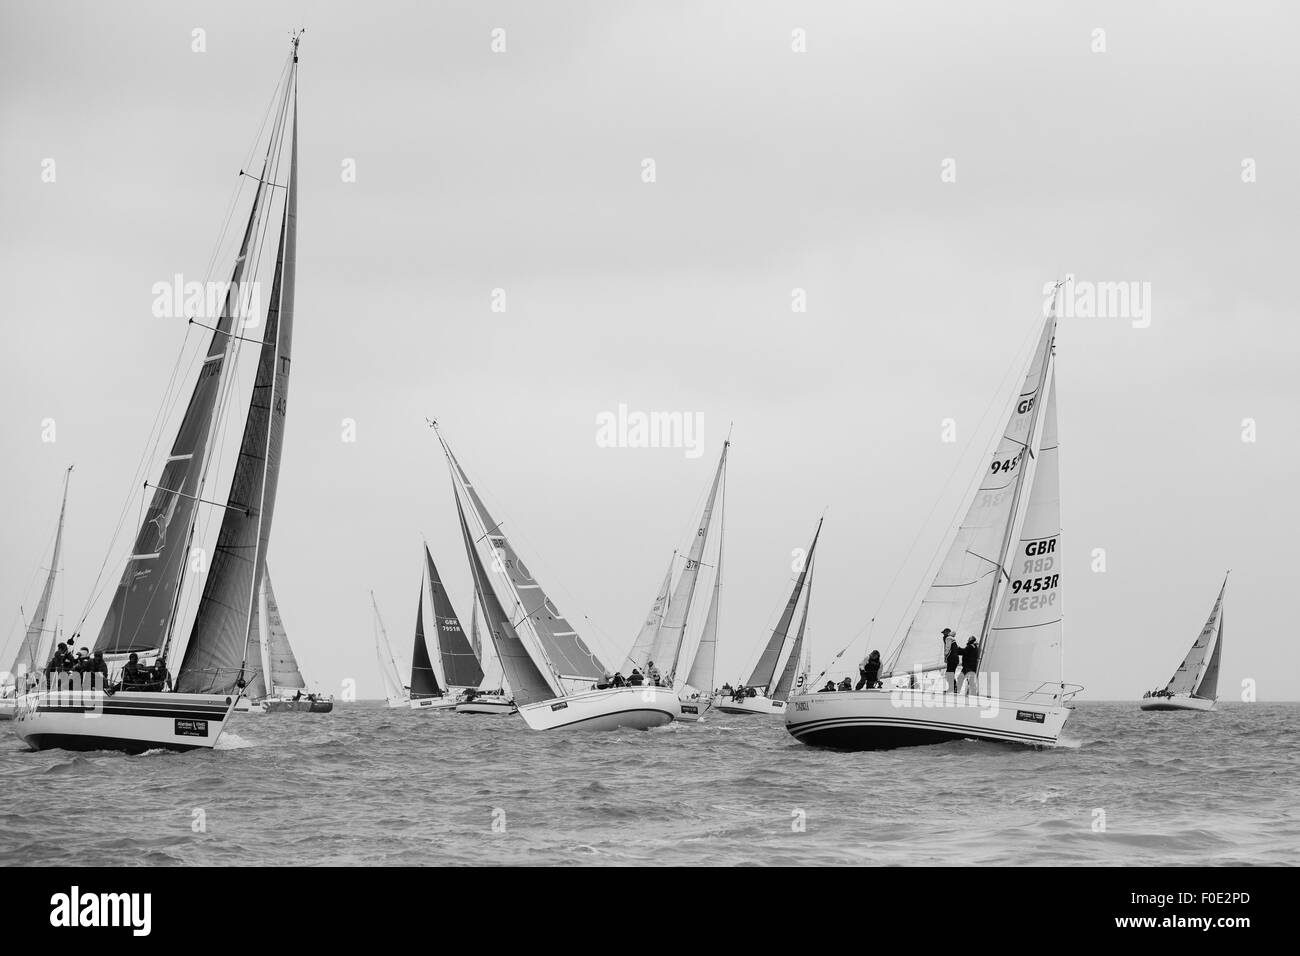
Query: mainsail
285, 674
1023, 644
424, 683
33, 652
527, 682
765, 670
388, 669
460, 666
795, 657
565, 653
668, 644
1198, 674
216, 657
964, 592
643, 646
141, 614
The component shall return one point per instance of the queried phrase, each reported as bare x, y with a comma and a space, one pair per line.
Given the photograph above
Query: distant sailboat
145, 609
661, 641
1000, 580
460, 667
284, 676
1195, 685
397, 693
550, 669
38, 641
771, 692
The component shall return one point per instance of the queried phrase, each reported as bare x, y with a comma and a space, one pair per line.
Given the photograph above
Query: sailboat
460, 667
1000, 580
396, 693
489, 697
145, 610
770, 692
1195, 685
551, 671
283, 676
36, 647
662, 638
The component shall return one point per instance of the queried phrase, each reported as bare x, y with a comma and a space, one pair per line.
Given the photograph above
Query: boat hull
749, 705
487, 705
432, 703
887, 719
694, 708
638, 708
7, 707
303, 706
129, 721
246, 706
1177, 703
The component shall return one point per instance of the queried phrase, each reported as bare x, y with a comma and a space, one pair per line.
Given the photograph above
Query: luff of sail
668, 644
284, 671
765, 670
460, 666
32, 654
424, 683
1189, 677
565, 651
963, 590
793, 660
139, 618
1022, 648
216, 654
643, 646
527, 682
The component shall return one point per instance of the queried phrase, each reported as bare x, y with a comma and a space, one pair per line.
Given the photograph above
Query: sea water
369, 785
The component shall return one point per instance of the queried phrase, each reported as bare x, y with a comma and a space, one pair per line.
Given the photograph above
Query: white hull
128, 720
486, 705
1177, 703
885, 719
750, 705
284, 705
432, 703
637, 707
694, 708
246, 706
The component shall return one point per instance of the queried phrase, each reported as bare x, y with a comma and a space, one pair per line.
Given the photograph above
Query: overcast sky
1121, 156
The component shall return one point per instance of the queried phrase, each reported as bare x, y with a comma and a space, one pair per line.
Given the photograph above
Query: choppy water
366, 785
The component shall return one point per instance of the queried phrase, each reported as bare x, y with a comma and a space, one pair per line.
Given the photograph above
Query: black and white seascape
683, 434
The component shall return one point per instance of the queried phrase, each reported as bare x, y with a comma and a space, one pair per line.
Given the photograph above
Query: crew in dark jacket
970, 659
870, 672
950, 663
134, 677
159, 677
99, 670
637, 679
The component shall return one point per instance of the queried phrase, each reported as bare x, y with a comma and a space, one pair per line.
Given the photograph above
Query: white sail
706, 652
643, 647
668, 645
388, 669
35, 648
1023, 644
1189, 678
284, 672
963, 593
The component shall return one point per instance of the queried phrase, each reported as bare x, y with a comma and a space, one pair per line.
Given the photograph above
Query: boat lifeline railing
1055, 691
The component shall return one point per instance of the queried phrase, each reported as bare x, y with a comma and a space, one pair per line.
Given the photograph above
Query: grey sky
775, 170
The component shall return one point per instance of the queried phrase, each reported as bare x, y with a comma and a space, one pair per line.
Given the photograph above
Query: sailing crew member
950, 662
829, 688
970, 658
846, 684
637, 679
870, 671
99, 670
618, 680
653, 673
133, 675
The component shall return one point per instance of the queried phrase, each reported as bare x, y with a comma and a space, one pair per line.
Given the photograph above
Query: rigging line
202, 501
213, 328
